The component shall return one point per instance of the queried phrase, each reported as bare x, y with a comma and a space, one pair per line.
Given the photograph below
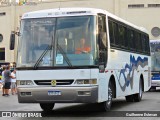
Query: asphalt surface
150, 105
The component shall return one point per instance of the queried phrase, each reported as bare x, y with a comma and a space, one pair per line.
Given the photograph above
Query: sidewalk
9, 92
10, 103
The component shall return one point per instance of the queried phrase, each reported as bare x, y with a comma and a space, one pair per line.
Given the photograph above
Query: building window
155, 31
2, 54
2, 14
1, 37
136, 6
154, 5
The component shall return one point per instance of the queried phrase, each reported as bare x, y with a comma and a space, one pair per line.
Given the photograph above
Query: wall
146, 17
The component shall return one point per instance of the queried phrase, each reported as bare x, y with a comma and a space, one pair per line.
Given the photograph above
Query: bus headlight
24, 82
86, 81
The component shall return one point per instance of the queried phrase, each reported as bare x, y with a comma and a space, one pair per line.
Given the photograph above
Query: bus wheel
129, 98
107, 104
153, 88
137, 97
47, 106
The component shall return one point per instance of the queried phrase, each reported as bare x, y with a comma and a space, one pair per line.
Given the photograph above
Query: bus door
102, 48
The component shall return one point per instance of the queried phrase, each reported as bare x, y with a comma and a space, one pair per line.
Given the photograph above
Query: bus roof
60, 12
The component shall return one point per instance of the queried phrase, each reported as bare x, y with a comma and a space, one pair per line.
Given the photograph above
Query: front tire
47, 106
106, 106
129, 98
153, 88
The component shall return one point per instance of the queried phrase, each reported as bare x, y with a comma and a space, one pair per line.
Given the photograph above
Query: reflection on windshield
36, 35
64, 35
155, 54
42, 58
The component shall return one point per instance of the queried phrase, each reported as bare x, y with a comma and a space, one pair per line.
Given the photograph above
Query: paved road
150, 102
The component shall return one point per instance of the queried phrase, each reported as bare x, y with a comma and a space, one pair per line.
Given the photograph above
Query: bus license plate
54, 92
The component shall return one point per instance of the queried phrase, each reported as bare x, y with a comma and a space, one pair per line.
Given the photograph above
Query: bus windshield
155, 56
64, 41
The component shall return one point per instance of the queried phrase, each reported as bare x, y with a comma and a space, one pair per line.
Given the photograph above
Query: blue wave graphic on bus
132, 66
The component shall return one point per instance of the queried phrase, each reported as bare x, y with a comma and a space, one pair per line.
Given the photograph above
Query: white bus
50, 70
155, 63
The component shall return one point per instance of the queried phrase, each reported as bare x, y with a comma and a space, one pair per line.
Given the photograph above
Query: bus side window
111, 33
102, 39
102, 36
115, 31
122, 34
143, 42
147, 45
131, 37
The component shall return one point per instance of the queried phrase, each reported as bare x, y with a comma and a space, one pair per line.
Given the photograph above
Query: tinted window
122, 35
115, 28
138, 42
111, 32
131, 39
125, 37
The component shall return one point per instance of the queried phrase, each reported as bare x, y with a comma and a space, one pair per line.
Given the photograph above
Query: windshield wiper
42, 55
64, 55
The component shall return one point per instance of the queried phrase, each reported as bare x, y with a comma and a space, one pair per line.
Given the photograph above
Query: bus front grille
58, 82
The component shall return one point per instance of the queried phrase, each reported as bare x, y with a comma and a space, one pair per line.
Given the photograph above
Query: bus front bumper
155, 83
58, 94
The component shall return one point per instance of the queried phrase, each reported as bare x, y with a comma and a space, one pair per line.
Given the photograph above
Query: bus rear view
155, 66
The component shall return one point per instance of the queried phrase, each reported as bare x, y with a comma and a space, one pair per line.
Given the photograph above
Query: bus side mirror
101, 68
102, 60
12, 41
